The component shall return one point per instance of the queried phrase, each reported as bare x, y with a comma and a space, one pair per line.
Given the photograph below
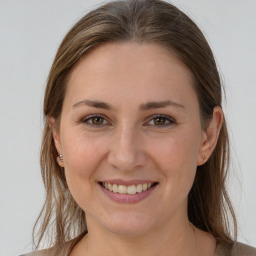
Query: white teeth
122, 189
144, 186
110, 187
131, 190
139, 188
115, 188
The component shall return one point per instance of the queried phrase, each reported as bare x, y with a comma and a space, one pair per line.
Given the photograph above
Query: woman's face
130, 122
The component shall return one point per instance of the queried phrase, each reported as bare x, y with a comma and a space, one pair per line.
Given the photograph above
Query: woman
134, 119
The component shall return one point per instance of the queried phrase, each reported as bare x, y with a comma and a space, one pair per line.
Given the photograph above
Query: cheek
82, 152
176, 158
82, 157
178, 150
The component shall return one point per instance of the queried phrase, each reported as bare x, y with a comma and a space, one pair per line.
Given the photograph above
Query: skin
128, 142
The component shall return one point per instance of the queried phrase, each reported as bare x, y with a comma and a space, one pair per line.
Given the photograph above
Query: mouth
128, 190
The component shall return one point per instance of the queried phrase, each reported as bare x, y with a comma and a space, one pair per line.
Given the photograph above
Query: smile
130, 190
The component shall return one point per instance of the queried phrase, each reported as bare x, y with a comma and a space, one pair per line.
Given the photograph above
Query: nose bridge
126, 151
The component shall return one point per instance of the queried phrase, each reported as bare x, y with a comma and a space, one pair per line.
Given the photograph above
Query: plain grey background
30, 32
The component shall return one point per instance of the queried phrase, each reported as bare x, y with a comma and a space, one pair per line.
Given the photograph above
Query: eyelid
85, 120
169, 118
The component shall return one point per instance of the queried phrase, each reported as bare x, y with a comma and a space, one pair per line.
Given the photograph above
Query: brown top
222, 249
235, 249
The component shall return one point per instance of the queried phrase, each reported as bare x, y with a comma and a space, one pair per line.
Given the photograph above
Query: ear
210, 136
56, 138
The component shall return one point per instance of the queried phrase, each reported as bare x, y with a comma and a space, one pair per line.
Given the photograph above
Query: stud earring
61, 158
204, 158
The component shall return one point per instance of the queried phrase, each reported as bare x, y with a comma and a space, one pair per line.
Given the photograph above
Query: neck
176, 239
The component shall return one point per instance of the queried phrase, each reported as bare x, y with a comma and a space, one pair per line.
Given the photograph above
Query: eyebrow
143, 107
93, 103
161, 104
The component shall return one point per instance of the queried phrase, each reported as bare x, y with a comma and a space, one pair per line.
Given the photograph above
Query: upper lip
127, 183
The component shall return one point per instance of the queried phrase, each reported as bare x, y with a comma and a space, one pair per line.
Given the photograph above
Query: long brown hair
209, 207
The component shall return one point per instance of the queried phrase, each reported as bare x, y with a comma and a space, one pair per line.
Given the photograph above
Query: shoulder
45, 252
63, 249
60, 250
240, 249
234, 249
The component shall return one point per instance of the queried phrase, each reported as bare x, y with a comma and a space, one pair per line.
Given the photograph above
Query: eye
160, 120
95, 120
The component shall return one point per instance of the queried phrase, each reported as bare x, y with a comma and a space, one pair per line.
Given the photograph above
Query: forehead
147, 69
127, 53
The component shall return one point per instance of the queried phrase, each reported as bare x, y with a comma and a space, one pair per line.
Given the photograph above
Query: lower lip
126, 198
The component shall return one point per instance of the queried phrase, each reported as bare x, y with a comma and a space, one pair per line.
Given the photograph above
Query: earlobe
60, 160
210, 136
56, 139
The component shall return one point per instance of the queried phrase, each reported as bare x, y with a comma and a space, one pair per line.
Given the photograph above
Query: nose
126, 150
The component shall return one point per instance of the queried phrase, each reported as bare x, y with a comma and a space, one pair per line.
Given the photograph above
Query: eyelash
170, 120
89, 120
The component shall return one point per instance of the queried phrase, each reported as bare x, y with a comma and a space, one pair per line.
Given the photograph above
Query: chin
128, 226
128, 231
